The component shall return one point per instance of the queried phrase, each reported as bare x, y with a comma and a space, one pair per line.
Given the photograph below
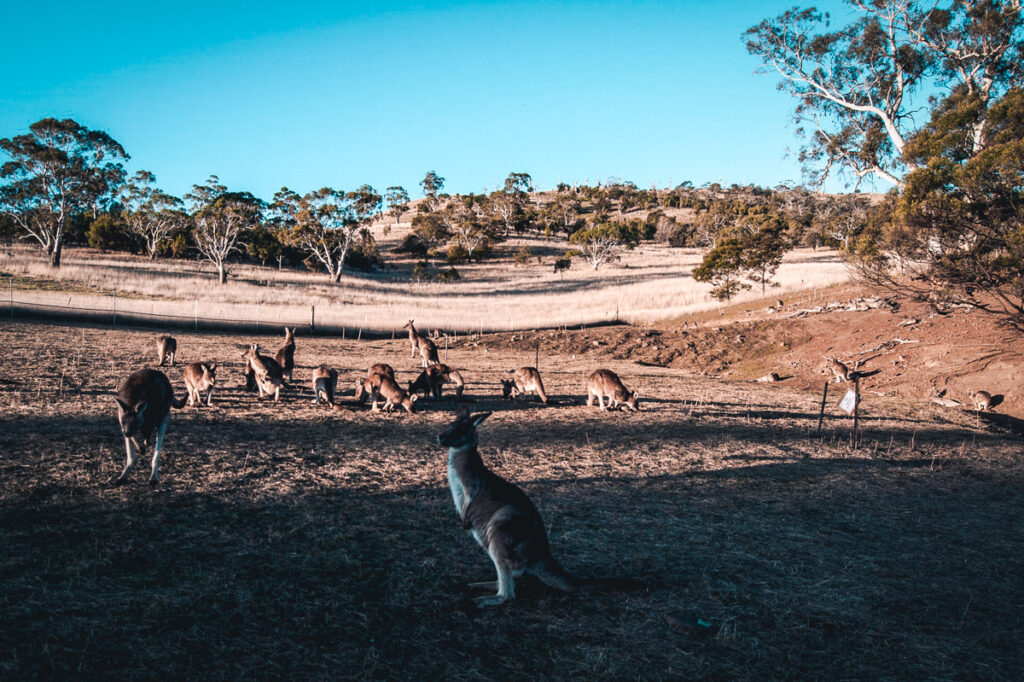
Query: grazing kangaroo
266, 372
144, 402
982, 400
325, 383
166, 348
369, 386
381, 368
604, 383
426, 347
769, 378
840, 372
502, 519
286, 354
200, 377
524, 380
430, 381
392, 393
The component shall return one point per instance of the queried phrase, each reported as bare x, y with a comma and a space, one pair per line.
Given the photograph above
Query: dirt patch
287, 540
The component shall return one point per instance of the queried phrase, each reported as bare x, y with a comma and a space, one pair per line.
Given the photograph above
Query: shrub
412, 245
563, 264
448, 276
523, 256
456, 254
109, 233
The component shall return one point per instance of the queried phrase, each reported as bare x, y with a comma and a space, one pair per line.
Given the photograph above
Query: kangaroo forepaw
489, 600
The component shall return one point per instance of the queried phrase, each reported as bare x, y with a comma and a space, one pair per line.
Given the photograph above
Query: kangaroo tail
551, 573
179, 403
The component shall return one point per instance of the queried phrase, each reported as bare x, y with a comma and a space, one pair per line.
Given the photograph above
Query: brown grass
291, 541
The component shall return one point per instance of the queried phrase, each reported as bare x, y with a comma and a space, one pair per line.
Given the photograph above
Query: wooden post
821, 414
257, 318
312, 319
856, 413
359, 334
536, 356
11, 284
446, 349
195, 313
115, 309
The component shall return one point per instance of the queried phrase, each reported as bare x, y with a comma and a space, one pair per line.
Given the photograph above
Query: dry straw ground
293, 541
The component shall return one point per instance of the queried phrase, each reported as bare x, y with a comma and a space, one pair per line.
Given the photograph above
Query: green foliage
412, 245
747, 254
363, 253
456, 254
109, 233
564, 263
263, 245
523, 256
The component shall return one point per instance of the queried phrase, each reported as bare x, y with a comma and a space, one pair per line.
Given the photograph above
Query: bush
420, 272
523, 256
448, 276
109, 234
363, 253
563, 264
412, 245
457, 254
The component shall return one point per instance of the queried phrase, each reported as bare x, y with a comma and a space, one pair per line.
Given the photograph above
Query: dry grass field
651, 282
286, 540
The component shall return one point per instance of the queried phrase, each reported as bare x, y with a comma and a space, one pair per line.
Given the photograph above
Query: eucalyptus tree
397, 200
151, 214
59, 169
432, 184
220, 219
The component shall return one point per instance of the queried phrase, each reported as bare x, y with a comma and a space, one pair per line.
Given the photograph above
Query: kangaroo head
461, 433
289, 334
210, 373
130, 416
407, 325
506, 388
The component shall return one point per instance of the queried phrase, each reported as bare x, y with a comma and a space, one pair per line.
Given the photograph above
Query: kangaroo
430, 381
325, 383
250, 377
604, 383
426, 347
286, 354
144, 402
266, 371
166, 348
502, 519
392, 393
381, 368
369, 385
840, 372
200, 377
982, 400
524, 380
769, 378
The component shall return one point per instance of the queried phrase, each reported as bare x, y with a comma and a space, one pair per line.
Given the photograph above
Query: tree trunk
55, 253
222, 274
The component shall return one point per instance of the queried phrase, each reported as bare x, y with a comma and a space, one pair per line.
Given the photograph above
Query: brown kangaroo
144, 402
166, 348
381, 368
325, 383
426, 347
430, 381
250, 377
286, 354
266, 372
604, 383
503, 520
524, 380
840, 372
982, 400
369, 386
200, 377
387, 388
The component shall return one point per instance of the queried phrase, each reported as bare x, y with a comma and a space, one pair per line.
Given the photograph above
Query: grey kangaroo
503, 520
144, 403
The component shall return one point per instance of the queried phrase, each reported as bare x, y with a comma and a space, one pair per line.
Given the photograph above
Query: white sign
849, 401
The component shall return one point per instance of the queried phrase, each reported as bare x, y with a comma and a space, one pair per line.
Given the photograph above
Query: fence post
114, 309
257, 318
11, 283
195, 313
821, 414
312, 319
856, 413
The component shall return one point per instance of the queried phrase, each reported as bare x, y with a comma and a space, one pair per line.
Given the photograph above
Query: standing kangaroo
604, 383
266, 371
982, 400
166, 348
325, 383
144, 402
840, 372
286, 354
430, 381
426, 347
200, 377
502, 519
524, 380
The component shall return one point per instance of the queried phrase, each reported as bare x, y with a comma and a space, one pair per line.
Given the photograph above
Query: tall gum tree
58, 169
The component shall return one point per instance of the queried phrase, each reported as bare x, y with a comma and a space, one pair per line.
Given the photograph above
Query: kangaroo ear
462, 413
213, 367
478, 419
122, 404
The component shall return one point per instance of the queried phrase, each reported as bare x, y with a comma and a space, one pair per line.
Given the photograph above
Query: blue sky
309, 94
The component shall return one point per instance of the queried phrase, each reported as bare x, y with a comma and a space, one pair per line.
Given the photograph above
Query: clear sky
307, 94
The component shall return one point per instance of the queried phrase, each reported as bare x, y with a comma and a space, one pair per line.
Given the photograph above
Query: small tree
323, 224
432, 184
747, 254
397, 200
151, 214
220, 219
601, 243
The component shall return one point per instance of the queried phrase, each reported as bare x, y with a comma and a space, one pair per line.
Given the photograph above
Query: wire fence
118, 311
